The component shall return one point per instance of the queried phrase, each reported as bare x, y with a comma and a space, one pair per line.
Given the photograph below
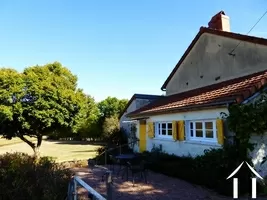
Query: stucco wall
142, 102
136, 104
260, 149
184, 148
210, 59
123, 119
126, 123
259, 152
136, 145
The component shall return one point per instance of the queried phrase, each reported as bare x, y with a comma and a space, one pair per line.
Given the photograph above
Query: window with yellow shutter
202, 130
163, 129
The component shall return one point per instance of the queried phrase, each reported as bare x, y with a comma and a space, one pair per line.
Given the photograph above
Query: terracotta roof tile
235, 90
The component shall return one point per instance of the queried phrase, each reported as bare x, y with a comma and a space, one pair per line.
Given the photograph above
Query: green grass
5, 142
60, 150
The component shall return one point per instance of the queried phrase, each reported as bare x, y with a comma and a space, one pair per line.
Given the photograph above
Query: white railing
92, 194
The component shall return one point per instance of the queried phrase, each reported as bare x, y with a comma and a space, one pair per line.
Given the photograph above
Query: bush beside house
23, 177
209, 170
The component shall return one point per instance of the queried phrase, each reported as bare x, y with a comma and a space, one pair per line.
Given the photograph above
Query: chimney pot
220, 21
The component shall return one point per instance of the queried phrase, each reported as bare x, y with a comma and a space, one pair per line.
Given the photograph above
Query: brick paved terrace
158, 187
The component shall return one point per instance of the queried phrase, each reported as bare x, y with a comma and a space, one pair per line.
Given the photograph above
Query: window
202, 130
163, 129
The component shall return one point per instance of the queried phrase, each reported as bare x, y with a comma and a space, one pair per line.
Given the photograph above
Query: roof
202, 30
231, 91
139, 96
145, 96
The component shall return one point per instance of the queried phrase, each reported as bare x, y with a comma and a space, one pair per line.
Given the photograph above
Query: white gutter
254, 96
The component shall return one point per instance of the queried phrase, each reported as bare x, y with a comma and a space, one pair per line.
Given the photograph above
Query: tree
41, 100
112, 106
88, 123
122, 104
110, 125
112, 133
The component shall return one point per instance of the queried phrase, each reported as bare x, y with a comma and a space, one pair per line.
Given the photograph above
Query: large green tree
87, 127
109, 108
112, 106
41, 100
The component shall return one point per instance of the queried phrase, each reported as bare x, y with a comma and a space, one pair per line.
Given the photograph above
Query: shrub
117, 137
53, 137
112, 149
110, 125
23, 177
74, 163
210, 169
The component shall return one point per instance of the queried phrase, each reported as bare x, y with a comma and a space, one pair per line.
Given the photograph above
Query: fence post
109, 185
75, 189
70, 190
105, 157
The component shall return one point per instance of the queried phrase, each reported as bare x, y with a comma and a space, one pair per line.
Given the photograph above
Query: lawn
5, 142
60, 150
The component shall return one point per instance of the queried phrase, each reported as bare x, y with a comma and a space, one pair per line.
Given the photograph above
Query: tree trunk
36, 152
35, 147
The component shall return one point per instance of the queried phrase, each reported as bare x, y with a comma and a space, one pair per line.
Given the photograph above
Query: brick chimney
220, 22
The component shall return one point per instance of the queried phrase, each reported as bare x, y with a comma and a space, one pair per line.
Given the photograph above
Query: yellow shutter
174, 130
142, 136
220, 135
150, 131
181, 130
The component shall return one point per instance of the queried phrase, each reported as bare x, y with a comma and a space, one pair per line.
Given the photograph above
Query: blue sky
116, 48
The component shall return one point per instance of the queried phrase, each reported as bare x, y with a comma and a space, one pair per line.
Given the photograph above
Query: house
136, 102
218, 68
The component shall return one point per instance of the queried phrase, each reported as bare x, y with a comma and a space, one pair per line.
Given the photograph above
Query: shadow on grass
72, 142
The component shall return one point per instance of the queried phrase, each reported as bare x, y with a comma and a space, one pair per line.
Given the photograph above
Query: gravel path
159, 187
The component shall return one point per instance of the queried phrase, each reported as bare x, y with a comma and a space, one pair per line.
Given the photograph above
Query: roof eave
139, 118
184, 109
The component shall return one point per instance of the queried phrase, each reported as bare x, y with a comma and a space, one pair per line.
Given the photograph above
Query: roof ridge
152, 95
204, 28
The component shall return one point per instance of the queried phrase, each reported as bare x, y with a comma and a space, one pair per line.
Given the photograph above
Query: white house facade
209, 77
195, 123
136, 102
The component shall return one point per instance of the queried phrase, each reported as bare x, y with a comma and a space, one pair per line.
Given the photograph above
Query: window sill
163, 139
207, 143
